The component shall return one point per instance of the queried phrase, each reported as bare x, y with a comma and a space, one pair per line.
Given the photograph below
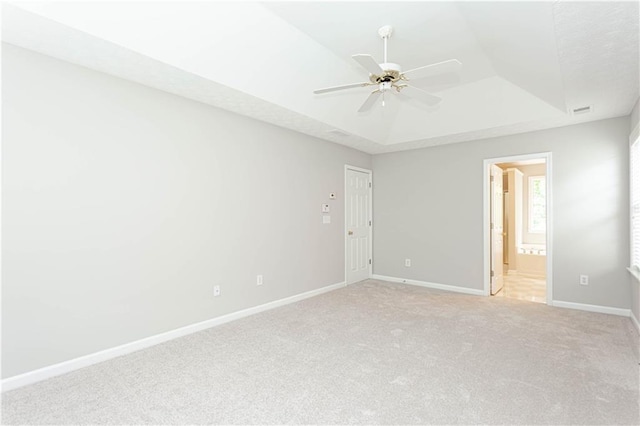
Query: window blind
635, 204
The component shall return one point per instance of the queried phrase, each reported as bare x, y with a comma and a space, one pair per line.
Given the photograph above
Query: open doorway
518, 227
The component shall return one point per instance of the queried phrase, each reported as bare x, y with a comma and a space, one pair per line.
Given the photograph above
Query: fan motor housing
391, 74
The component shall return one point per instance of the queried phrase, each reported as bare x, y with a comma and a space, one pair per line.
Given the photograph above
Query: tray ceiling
526, 65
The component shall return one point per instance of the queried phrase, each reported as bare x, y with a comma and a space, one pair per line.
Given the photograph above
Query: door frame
486, 221
494, 172
344, 229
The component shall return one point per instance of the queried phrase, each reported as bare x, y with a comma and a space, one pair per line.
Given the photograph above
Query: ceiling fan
389, 77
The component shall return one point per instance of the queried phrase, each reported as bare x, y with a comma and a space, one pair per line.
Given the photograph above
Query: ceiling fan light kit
388, 76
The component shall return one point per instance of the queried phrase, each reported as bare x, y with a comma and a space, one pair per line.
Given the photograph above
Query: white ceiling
526, 65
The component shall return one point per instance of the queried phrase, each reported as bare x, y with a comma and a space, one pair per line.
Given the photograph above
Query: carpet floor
370, 353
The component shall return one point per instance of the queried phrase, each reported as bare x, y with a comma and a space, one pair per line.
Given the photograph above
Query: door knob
350, 232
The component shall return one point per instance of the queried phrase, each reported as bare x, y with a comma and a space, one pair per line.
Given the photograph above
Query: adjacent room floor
373, 352
530, 287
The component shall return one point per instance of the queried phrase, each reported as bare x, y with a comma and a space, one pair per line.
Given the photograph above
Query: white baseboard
635, 322
104, 355
592, 308
453, 288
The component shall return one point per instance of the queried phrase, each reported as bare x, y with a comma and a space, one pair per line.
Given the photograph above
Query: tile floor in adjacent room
524, 287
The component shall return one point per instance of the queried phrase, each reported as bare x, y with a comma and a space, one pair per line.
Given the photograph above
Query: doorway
357, 224
517, 212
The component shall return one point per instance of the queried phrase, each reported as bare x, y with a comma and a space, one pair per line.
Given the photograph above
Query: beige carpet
373, 352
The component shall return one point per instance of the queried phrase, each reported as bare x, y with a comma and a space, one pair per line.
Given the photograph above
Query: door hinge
491, 274
369, 184
369, 223
369, 261
491, 179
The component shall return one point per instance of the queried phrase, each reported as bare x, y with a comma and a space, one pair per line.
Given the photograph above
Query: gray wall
428, 207
123, 206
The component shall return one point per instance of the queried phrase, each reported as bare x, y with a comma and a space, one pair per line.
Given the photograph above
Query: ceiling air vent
338, 133
582, 110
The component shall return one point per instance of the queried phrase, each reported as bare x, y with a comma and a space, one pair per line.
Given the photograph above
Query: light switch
325, 208
326, 219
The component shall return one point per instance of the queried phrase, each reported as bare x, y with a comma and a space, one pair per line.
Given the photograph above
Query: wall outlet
407, 263
216, 290
259, 280
584, 279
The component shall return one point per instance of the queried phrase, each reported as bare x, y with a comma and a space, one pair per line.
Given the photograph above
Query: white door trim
344, 230
486, 219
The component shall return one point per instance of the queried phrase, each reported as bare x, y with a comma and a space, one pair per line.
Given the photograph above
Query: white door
358, 225
496, 206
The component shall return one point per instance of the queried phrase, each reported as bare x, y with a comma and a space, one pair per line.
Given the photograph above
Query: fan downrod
392, 72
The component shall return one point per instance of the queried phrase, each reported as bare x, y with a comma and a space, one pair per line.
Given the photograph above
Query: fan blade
345, 86
368, 63
452, 65
371, 100
420, 95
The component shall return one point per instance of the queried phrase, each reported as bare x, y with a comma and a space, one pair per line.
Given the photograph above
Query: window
537, 205
635, 204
